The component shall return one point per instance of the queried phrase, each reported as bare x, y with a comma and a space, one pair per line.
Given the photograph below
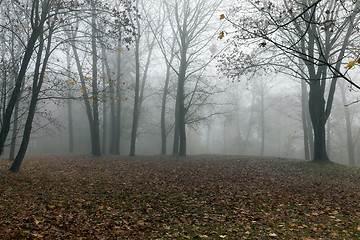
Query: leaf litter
163, 197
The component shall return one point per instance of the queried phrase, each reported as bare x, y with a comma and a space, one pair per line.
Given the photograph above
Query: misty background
123, 62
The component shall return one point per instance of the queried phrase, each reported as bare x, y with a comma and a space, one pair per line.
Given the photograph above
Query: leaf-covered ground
198, 197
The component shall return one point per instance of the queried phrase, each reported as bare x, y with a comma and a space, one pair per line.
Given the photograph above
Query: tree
89, 85
38, 79
189, 21
310, 31
39, 14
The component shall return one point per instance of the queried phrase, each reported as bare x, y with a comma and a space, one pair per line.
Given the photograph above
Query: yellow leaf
222, 16
221, 35
350, 65
101, 207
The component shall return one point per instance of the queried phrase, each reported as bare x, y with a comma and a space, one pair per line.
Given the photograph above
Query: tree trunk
262, 115
175, 151
163, 105
181, 98
163, 111
37, 83
117, 129
104, 126
96, 151
249, 128
318, 119
349, 137
305, 123
112, 142
15, 120
136, 100
69, 105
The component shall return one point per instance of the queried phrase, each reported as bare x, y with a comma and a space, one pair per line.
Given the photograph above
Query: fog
183, 70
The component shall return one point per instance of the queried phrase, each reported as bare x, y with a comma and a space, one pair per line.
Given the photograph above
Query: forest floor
197, 197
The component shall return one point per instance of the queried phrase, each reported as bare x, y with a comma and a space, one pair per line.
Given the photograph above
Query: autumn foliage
199, 197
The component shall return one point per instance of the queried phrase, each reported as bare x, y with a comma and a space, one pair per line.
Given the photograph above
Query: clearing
201, 197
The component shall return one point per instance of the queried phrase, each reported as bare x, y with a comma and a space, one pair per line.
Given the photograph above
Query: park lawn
195, 197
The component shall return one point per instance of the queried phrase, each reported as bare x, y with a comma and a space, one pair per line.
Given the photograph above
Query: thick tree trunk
318, 119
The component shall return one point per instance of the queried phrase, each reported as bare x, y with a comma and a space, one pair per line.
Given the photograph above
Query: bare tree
189, 21
310, 31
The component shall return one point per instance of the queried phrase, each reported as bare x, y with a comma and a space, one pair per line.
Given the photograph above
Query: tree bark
318, 119
349, 137
117, 129
96, 150
163, 111
104, 123
305, 122
69, 105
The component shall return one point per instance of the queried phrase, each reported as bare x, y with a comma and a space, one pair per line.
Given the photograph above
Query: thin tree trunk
175, 151
349, 137
181, 100
84, 91
304, 109
163, 104
137, 91
262, 115
37, 84
112, 142
16, 115
96, 140
69, 105
249, 128
117, 129
104, 126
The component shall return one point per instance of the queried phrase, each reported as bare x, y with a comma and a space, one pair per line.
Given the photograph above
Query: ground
197, 197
